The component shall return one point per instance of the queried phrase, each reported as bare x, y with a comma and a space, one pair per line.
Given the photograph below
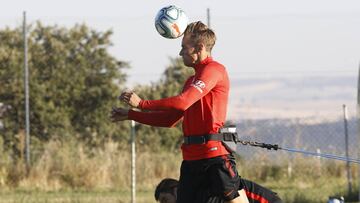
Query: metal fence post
208, 16
358, 127
26, 86
349, 179
133, 163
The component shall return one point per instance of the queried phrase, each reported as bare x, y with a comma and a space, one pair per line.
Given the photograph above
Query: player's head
166, 190
197, 43
200, 33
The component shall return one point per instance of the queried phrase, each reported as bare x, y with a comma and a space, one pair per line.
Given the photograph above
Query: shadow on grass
353, 196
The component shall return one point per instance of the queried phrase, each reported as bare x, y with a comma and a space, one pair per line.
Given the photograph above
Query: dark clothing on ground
254, 192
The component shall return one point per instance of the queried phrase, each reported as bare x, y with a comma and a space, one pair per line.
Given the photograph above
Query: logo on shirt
199, 85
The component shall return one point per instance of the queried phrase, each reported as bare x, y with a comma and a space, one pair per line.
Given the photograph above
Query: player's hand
130, 98
119, 114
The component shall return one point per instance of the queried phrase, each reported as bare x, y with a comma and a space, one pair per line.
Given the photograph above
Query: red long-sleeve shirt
202, 105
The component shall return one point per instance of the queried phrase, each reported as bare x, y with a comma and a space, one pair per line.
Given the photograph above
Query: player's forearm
158, 119
179, 103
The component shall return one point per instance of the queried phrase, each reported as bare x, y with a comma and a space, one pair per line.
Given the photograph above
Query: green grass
291, 191
74, 197
311, 191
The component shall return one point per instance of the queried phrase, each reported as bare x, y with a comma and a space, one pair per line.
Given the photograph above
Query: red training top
202, 105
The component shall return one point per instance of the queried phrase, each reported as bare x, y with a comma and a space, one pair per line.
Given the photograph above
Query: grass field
74, 197
290, 192
66, 174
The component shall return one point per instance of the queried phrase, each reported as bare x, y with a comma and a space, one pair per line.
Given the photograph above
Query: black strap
205, 138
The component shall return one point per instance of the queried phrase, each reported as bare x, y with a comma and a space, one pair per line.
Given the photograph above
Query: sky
255, 38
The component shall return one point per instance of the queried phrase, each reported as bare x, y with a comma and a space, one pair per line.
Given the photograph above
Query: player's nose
181, 53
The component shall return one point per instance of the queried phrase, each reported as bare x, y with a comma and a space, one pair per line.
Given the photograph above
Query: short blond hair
201, 33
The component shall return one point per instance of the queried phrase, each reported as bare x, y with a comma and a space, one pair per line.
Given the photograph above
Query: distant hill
263, 97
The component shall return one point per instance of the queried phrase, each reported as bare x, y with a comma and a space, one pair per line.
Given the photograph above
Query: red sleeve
157, 118
199, 87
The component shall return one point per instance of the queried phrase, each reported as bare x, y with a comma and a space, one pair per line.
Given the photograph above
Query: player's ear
200, 47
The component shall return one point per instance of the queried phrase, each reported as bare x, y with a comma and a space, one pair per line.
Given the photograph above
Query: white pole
358, 124
133, 163
347, 149
208, 17
26, 84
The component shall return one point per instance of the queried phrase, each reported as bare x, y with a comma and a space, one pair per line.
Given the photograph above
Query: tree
74, 81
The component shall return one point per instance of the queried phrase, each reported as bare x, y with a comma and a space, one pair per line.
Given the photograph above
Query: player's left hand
119, 114
130, 98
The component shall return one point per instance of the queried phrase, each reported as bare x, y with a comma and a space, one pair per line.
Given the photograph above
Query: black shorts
218, 176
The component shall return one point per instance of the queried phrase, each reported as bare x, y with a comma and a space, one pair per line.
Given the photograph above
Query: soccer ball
171, 22
336, 200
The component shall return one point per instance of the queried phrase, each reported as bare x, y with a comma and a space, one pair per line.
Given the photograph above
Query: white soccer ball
336, 200
171, 22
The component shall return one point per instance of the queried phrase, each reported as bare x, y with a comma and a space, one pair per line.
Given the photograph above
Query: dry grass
73, 165
106, 172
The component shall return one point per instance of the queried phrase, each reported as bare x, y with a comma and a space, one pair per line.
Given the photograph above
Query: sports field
289, 192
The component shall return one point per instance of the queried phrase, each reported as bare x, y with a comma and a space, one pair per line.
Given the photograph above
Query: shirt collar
204, 62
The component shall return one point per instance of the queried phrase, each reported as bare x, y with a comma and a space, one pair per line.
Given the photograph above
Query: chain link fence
323, 135
326, 136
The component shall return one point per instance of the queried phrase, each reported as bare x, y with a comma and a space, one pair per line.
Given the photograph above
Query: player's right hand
130, 98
